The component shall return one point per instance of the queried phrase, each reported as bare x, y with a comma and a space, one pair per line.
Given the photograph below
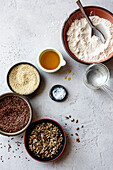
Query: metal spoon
94, 31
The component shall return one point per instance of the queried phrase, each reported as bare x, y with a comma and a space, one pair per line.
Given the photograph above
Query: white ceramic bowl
62, 61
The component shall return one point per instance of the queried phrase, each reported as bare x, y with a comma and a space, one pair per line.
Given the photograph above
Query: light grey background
26, 27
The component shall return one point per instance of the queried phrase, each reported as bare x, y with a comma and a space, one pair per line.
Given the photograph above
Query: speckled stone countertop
26, 27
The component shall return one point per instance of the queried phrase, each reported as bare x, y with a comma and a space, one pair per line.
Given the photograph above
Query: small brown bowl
94, 11
10, 72
30, 111
27, 133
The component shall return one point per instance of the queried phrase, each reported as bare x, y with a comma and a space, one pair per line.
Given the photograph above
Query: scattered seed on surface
12, 138
9, 147
8, 158
77, 121
69, 116
18, 142
65, 123
78, 140
82, 126
72, 120
76, 134
71, 134
66, 117
77, 128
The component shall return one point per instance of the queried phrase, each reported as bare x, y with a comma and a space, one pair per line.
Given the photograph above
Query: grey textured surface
26, 27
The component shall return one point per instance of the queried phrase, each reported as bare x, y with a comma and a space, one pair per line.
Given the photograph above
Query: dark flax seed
77, 121
78, 140
77, 128
76, 134
72, 120
66, 117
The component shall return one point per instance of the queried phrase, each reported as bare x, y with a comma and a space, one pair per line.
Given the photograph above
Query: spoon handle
82, 10
108, 91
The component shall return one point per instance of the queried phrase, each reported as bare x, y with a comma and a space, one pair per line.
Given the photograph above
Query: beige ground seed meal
24, 79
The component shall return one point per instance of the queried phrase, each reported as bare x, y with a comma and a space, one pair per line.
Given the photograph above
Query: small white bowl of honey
50, 60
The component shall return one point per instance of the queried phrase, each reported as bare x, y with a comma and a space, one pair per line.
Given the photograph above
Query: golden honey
50, 60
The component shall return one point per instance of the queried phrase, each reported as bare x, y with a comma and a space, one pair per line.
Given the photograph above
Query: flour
85, 47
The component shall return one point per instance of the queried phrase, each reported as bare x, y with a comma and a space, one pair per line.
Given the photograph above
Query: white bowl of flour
77, 36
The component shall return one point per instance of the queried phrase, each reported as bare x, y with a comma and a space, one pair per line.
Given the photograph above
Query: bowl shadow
35, 115
64, 70
39, 90
109, 64
66, 151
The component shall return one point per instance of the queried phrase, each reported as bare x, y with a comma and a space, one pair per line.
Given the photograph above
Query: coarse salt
59, 93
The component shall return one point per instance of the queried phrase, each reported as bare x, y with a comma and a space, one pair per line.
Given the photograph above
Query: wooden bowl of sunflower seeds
45, 140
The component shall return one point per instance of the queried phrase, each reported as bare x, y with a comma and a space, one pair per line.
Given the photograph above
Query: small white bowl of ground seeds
23, 78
